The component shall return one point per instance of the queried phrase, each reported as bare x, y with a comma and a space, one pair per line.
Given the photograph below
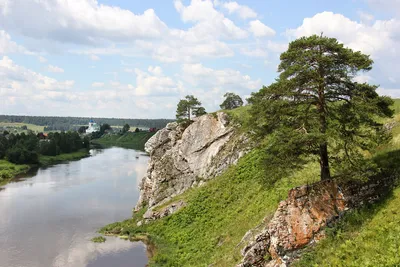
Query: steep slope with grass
214, 225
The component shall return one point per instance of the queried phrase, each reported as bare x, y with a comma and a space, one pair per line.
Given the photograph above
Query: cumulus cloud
155, 83
78, 21
244, 12
7, 46
380, 39
55, 69
259, 29
19, 80
209, 21
211, 84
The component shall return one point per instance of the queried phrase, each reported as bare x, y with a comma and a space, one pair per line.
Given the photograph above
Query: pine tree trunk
324, 162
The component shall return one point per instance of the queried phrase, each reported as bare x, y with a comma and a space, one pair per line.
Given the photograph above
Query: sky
136, 59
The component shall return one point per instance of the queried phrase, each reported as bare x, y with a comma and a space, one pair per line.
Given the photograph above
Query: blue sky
136, 59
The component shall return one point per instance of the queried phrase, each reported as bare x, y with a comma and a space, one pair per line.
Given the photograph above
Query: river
48, 219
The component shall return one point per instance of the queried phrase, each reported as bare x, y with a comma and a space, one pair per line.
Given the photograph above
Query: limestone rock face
301, 218
297, 222
181, 158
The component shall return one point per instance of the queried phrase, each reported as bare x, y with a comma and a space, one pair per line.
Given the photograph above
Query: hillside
128, 140
216, 216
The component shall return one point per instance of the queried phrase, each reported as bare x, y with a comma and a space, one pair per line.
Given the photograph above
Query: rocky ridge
181, 158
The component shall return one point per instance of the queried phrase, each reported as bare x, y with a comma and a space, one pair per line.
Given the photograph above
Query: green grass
98, 239
128, 140
9, 170
217, 216
368, 237
50, 160
33, 127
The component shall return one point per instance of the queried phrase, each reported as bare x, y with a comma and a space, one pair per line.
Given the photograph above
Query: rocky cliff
181, 158
300, 219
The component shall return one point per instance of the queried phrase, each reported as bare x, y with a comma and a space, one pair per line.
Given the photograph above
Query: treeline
71, 123
26, 148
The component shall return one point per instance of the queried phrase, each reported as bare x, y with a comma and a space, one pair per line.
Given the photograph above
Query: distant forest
73, 123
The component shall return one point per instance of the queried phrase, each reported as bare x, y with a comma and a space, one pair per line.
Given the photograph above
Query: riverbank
128, 140
9, 171
51, 160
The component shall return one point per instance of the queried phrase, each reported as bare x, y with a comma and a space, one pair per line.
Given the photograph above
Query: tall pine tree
317, 109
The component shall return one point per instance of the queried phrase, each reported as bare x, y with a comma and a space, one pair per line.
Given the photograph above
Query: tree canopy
316, 110
189, 106
125, 128
231, 101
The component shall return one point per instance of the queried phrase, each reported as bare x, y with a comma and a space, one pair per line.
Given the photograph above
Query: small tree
82, 129
315, 109
189, 106
125, 128
231, 101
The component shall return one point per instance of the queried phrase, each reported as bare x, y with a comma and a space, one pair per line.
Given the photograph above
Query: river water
48, 219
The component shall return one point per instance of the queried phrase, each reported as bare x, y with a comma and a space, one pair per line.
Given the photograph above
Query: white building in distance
93, 127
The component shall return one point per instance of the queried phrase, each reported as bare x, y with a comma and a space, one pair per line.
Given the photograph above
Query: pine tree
316, 109
231, 101
187, 107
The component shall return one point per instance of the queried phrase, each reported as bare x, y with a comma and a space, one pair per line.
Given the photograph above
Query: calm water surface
47, 220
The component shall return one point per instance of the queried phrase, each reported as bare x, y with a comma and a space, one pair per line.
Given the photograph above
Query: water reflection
49, 218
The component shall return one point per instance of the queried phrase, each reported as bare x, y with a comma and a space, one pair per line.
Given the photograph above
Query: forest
73, 123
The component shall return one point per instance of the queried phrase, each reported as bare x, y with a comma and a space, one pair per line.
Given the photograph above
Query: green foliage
231, 101
187, 107
315, 109
367, 237
98, 239
134, 140
9, 170
82, 129
126, 128
217, 216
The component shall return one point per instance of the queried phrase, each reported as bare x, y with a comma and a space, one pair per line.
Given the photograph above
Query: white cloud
358, 36
55, 69
7, 46
94, 57
379, 38
211, 84
78, 21
97, 84
23, 86
243, 11
155, 83
209, 22
259, 29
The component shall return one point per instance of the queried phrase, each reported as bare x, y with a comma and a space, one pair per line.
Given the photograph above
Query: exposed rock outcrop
301, 218
182, 158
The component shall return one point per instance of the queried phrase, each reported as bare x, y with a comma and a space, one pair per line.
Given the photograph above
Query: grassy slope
9, 170
220, 213
369, 237
128, 140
